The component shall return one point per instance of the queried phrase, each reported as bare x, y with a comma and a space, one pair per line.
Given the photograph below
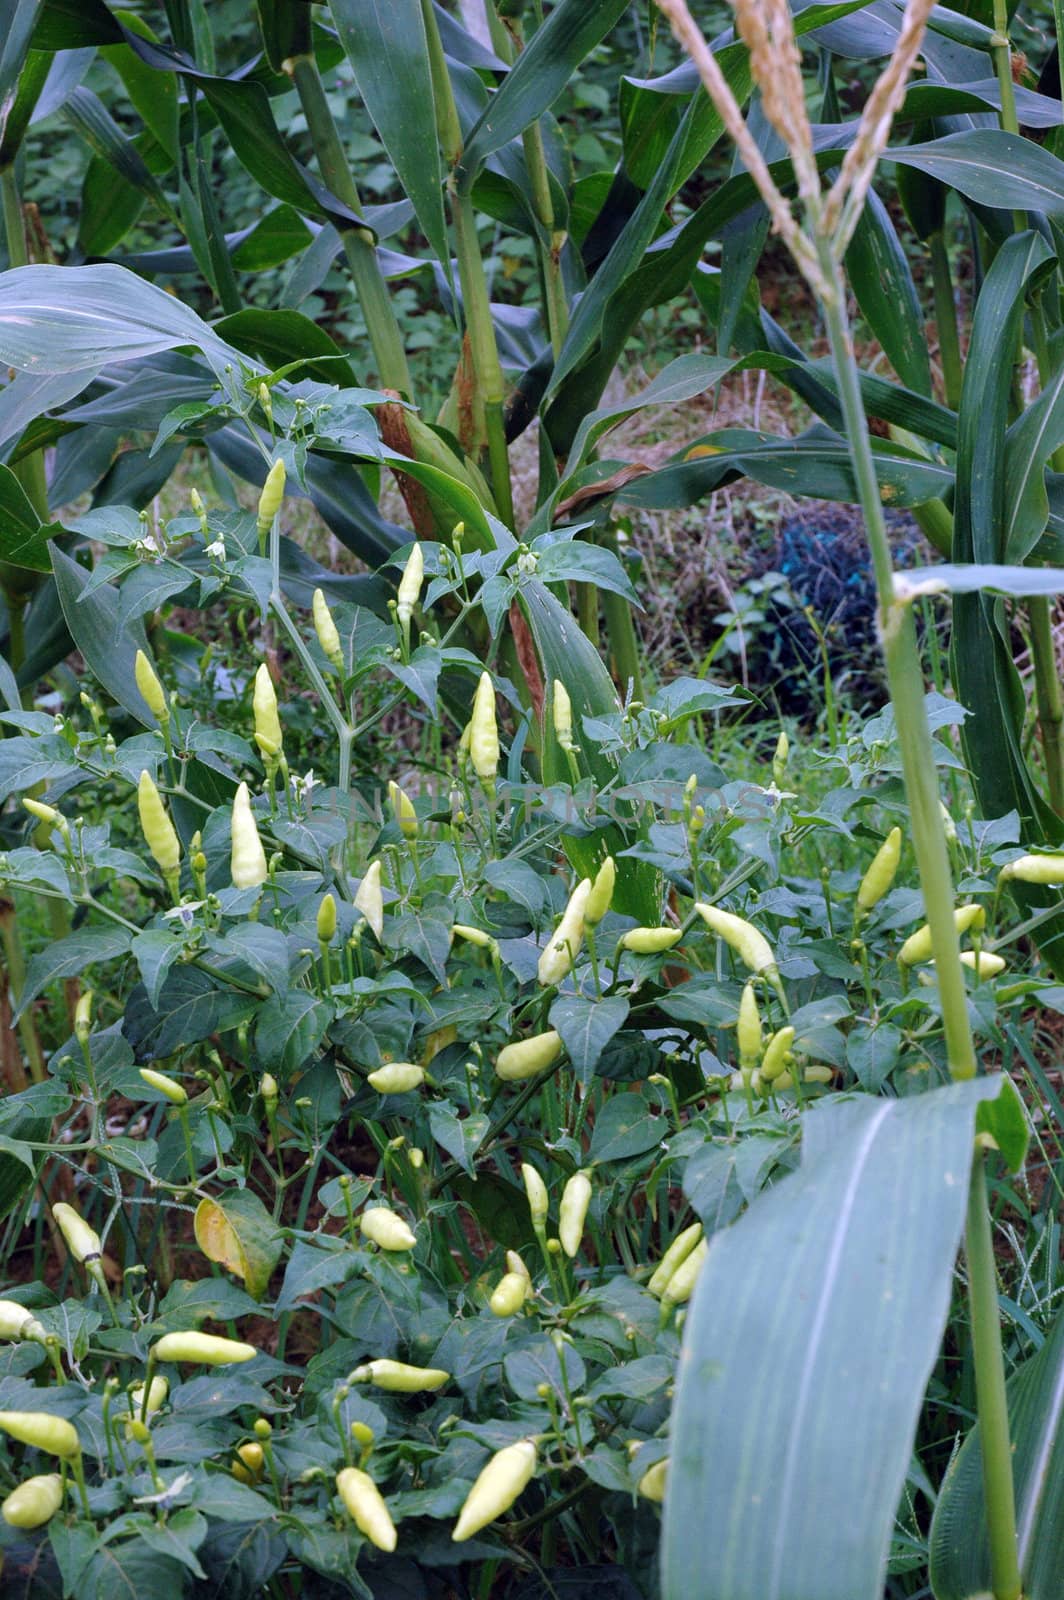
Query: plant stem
905, 679
483, 348
990, 1389
358, 243
476, 304
932, 857
1048, 697
16, 978
949, 345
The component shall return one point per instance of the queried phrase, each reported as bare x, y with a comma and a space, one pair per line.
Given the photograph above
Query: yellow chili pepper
562, 711
247, 1468
399, 1378
174, 1091
82, 1241
748, 1031
268, 734
247, 863
985, 964
681, 1286
325, 628
55, 1435
678, 1251
410, 587
270, 499
366, 1508
779, 759
507, 1473
83, 1016
462, 930
398, 1077
515, 1264
159, 832
536, 1190
209, 1349
326, 921
881, 871
650, 941
1035, 869
17, 1322
917, 946
509, 1294
157, 1396
572, 1213
370, 900
598, 901
484, 733
386, 1229
564, 945
777, 1056
47, 814
151, 690
528, 1056
652, 1484
403, 807
752, 948
34, 1502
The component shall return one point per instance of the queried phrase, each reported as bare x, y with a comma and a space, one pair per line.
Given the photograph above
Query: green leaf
281, 337
586, 1028
816, 463
289, 1027
540, 74
983, 665
153, 93
237, 1231
191, 1007
459, 1136
995, 169
1029, 446
388, 51
1005, 1120
879, 274
93, 621
825, 1303
960, 1550
23, 536
623, 1128
69, 958
70, 319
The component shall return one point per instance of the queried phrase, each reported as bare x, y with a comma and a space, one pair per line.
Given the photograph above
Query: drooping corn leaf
823, 1307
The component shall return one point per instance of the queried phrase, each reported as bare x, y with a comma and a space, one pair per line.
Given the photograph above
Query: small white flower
216, 551
185, 914
302, 787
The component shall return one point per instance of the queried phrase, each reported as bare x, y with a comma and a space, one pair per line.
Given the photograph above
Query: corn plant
457, 1080
791, 1431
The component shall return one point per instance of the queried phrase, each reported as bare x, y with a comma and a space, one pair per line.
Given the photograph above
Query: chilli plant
438, 1086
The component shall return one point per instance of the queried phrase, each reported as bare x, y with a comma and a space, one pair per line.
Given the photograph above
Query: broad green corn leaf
823, 1309
387, 48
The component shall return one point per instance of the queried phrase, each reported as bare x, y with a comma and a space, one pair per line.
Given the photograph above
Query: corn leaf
960, 1552
824, 1308
386, 46
541, 72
